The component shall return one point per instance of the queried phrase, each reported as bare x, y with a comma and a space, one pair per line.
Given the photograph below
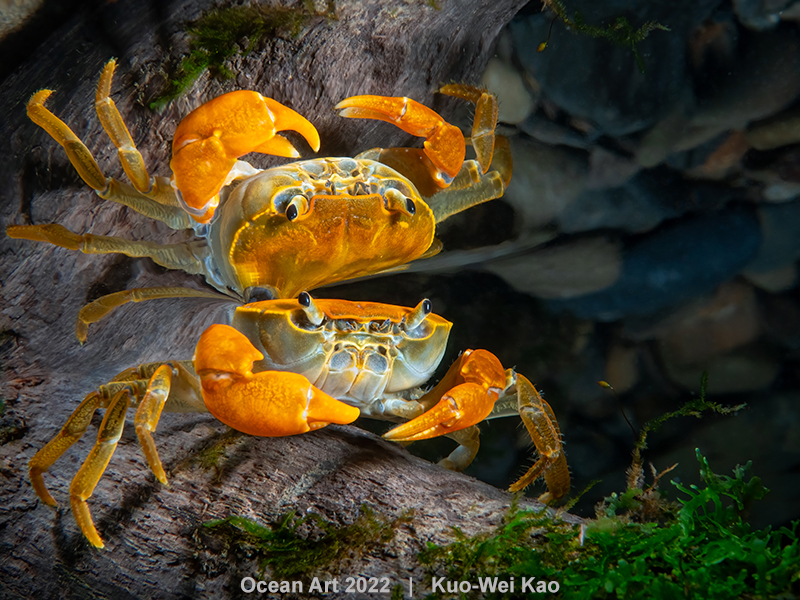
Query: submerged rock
679, 261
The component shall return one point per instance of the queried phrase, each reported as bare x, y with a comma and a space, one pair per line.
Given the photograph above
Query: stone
546, 180
678, 261
710, 327
760, 14
622, 367
639, 205
563, 270
739, 372
762, 80
780, 227
542, 129
514, 100
15, 13
725, 159
782, 319
599, 81
781, 130
774, 280
608, 169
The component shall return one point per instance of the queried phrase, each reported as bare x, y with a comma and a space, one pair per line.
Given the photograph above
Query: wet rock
763, 80
515, 102
775, 280
725, 159
760, 14
622, 367
739, 372
678, 261
608, 169
782, 319
780, 227
564, 270
781, 130
15, 13
707, 328
638, 206
544, 130
546, 180
596, 80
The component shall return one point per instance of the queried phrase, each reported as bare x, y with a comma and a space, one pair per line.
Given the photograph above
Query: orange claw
268, 403
212, 137
468, 392
444, 143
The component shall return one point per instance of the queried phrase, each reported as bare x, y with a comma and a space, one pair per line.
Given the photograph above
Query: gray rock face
681, 260
596, 80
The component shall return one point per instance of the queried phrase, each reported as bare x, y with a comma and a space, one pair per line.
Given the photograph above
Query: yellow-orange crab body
364, 354
348, 217
286, 367
289, 228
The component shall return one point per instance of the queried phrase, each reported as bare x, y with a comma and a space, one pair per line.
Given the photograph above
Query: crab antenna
417, 316
313, 312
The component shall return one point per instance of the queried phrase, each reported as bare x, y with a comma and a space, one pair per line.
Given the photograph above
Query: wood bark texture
153, 549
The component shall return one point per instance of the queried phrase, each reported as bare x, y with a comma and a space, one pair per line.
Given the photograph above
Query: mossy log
155, 545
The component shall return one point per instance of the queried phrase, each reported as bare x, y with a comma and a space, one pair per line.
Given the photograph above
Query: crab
277, 232
286, 367
289, 364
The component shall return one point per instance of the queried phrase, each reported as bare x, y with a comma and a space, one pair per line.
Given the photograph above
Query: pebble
739, 372
710, 327
760, 14
639, 205
514, 100
546, 180
622, 367
780, 227
596, 80
564, 270
781, 130
677, 262
775, 280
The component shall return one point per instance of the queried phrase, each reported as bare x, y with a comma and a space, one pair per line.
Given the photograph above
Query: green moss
620, 32
297, 546
210, 456
702, 548
237, 30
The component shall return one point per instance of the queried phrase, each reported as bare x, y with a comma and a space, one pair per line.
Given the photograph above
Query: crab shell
358, 353
355, 216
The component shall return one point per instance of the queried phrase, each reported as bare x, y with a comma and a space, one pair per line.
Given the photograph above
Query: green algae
297, 546
223, 33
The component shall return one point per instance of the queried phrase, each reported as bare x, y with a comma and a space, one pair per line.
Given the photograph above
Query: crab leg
187, 256
129, 156
268, 403
102, 306
92, 469
445, 147
542, 425
485, 121
210, 139
152, 387
152, 197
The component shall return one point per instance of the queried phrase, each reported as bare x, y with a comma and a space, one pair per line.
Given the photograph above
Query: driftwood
153, 549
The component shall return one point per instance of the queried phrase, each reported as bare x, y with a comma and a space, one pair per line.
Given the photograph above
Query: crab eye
313, 312
397, 201
417, 316
297, 206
